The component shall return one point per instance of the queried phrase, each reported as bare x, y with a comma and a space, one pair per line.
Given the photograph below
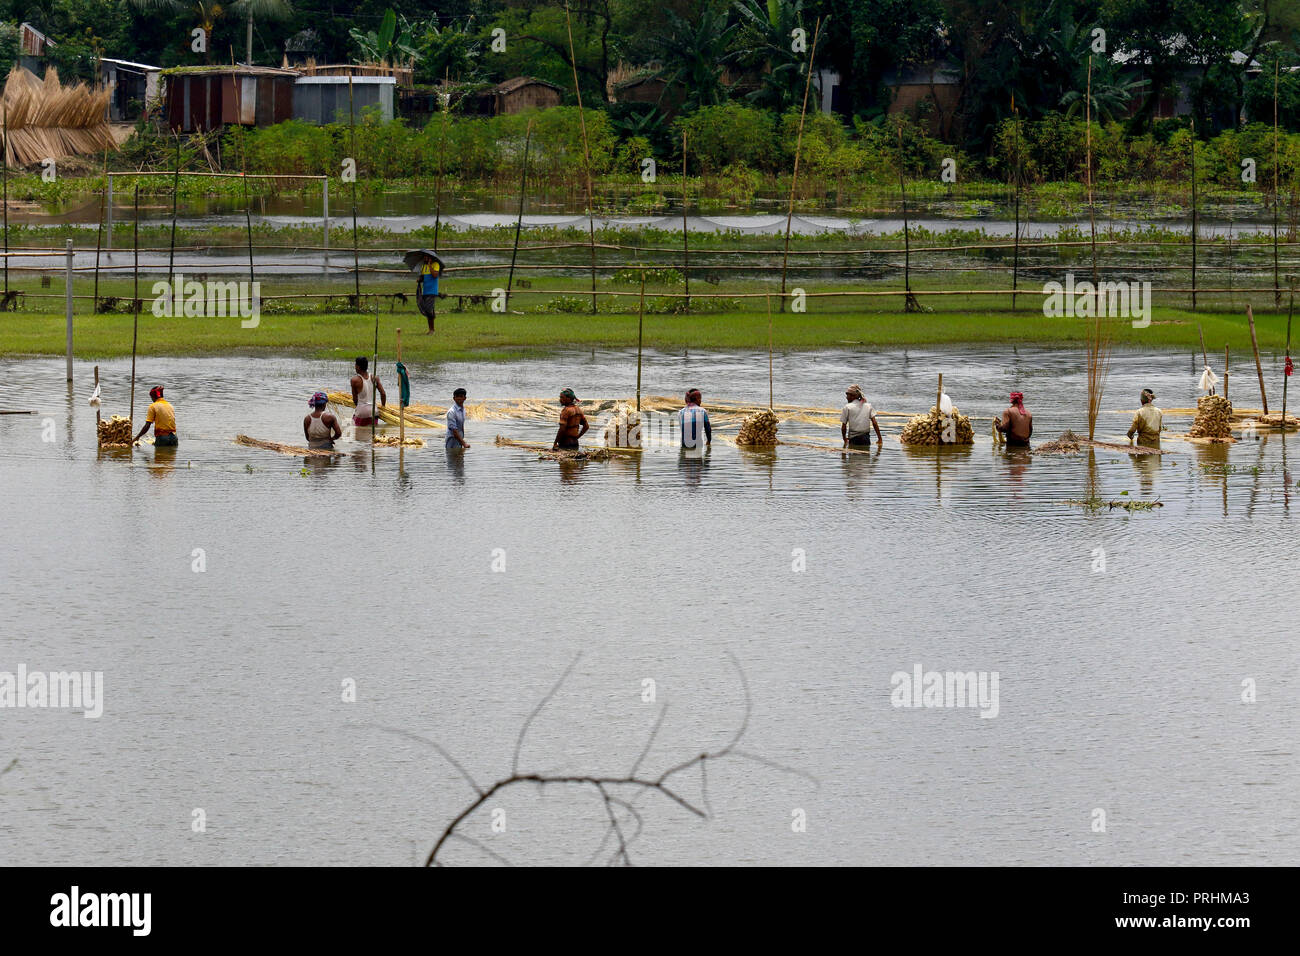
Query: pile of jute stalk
936, 428
115, 431
758, 429
1213, 418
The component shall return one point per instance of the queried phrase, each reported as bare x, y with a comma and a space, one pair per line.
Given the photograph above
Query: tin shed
201, 98
325, 99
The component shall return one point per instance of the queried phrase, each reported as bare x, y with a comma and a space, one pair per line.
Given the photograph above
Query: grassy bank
489, 336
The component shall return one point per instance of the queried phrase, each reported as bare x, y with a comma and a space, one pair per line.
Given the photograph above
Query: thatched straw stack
47, 120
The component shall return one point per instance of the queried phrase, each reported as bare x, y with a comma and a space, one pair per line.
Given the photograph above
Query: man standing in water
1147, 422
573, 424
320, 427
363, 394
694, 421
1016, 423
456, 422
857, 419
163, 418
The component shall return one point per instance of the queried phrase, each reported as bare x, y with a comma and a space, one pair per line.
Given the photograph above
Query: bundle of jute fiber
937, 428
1213, 418
623, 430
758, 429
47, 120
395, 440
115, 431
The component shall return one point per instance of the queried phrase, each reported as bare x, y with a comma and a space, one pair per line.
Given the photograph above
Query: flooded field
274, 634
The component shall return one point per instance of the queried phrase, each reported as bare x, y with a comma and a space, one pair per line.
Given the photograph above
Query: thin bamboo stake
1092, 217
798, 147
1225, 373
640, 340
938, 398
374, 392
135, 323
243, 170
770, 387
176, 192
1254, 344
1204, 354
1287, 378
356, 255
1194, 213
1015, 260
686, 241
909, 302
1277, 288
401, 409
586, 156
98, 414
519, 220
99, 234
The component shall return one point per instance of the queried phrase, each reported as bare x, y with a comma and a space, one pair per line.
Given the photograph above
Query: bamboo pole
1225, 373
798, 147
1204, 354
99, 235
1194, 216
640, 340
1092, 216
907, 242
1285, 377
98, 414
686, 241
1254, 344
770, 386
1015, 260
519, 220
356, 255
938, 398
401, 409
176, 192
243, 171
374, 392
1277, 288
135, 305
586, 156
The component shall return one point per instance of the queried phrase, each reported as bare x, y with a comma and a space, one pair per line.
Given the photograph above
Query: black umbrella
415, 258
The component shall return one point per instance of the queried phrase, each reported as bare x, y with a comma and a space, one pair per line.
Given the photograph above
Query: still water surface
1119, 690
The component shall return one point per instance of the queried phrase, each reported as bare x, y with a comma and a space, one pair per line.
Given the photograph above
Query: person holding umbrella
428, 267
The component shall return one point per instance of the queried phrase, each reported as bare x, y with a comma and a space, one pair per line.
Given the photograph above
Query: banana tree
390, 44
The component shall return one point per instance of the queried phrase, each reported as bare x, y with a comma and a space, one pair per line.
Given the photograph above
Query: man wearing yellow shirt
1147, 422
162, 417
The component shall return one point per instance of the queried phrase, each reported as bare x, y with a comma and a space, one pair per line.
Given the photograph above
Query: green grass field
483, 335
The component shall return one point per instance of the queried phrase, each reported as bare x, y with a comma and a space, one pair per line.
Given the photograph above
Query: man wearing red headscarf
1016, 423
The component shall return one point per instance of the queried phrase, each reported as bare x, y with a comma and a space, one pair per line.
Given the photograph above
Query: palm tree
206, 12
263, 10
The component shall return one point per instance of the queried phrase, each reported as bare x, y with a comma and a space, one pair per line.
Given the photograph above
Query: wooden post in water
1254, 344
798, 147
938, 399
67, 299
401, 409
98, 413
135, 302
519, 220
770, 387
1225, 372
374, 392
4, 170
1286, 378
640, 340
1204, 354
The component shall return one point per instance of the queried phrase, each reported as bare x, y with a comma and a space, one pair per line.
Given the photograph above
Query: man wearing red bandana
1016, 423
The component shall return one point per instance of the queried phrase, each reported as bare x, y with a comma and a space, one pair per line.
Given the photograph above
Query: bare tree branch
514, 764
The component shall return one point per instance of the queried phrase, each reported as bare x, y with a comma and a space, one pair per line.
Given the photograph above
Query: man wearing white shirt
857, 420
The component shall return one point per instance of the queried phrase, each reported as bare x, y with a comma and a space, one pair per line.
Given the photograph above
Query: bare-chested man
1016, 423
573, 424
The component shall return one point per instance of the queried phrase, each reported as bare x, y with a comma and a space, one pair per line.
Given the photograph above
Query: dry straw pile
46, 120
936, 428
758, 429
1213, 418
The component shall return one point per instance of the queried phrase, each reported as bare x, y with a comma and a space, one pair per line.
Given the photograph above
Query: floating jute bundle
936, 428
758, 429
